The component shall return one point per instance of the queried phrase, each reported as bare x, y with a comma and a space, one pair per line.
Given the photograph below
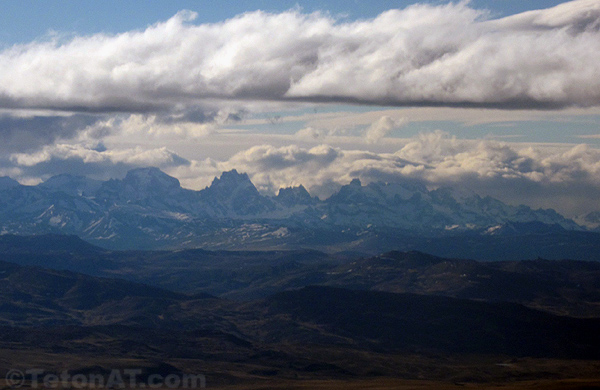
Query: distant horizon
501, 97
579, 219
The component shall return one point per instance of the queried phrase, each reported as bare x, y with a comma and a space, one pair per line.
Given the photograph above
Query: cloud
29, 132
322, 169
377, 130
160, 127
26, 132
87, 160
381, 128
564, 178
444, 55
311, 134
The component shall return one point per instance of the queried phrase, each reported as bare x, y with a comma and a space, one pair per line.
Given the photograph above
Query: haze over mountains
149, 209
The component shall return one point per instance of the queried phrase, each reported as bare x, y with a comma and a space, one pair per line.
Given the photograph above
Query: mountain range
150, 209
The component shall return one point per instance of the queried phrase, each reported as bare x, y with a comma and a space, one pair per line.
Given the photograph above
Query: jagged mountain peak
231, 178
294, 196
150, 178
299, 190
231, 184
352, 192
234, 194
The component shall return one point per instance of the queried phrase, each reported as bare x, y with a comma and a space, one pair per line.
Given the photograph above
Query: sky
501, 97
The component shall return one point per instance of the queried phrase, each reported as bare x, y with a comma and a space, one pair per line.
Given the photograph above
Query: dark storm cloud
29, 133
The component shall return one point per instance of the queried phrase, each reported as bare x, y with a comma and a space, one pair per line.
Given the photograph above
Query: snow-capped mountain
234, 196
148, 208
71, 185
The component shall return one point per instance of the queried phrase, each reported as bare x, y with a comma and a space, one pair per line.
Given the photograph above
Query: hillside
317, 332
556, 286
285, 316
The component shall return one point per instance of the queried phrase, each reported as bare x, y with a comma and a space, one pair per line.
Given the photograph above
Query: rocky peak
350, 193
235, 193
294, 196
232, 185
150, 179
232, 180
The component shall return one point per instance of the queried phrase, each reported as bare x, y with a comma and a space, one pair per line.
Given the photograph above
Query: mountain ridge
150, 209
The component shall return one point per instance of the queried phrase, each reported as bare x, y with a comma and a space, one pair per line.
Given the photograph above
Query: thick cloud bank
564, 178
567, 179
421, 55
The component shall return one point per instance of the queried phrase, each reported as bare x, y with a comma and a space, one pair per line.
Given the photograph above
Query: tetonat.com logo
114, 379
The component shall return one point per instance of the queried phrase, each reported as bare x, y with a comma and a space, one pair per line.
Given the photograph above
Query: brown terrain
300, 320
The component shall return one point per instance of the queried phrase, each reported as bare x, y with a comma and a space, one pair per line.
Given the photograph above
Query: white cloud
564, 178
154, 127
382, 127
311, 134
424, 54
87, 160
